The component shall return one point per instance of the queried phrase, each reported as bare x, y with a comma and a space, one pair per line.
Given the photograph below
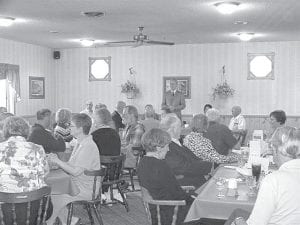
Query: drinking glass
256, 170
251, 183
220, 186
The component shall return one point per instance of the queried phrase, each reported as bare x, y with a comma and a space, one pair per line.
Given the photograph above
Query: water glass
220, 186
256, 170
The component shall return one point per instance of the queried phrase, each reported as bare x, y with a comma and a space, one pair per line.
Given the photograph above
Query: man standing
173, 99
117, 115
42, 136
89, 109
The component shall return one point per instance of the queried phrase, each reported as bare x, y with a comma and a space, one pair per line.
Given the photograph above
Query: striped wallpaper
33, 61
203, 62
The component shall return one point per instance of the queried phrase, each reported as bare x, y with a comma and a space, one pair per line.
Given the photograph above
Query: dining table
208, 205
61, 183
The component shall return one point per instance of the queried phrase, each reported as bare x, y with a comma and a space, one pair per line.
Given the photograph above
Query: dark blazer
39, 135
183, 161
158, 179
107, 141
221, 137
177, 101
116, 117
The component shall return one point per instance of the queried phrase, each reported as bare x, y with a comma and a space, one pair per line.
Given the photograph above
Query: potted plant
130, 89
223, 91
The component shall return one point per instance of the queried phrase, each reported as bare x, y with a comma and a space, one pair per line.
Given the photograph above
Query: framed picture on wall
183, 84
36, 87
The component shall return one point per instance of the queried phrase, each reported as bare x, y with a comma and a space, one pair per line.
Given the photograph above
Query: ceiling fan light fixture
227, 7
245, 36
6, 21
87, 42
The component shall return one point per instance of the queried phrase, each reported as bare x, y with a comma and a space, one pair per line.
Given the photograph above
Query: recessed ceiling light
227, 7
93, 14
53, 31
6, 21
240, 22
87, 42
245, 36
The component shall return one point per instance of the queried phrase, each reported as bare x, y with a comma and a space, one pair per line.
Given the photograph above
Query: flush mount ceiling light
87, 42
240, 22
93, 14
6, 21
227, 7
245, 36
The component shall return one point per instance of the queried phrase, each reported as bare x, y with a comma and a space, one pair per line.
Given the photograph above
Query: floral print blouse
23, 165
203, 149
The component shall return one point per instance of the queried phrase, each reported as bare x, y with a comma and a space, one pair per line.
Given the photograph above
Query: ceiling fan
139, 40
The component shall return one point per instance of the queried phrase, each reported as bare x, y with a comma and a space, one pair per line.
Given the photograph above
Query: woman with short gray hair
23, 166
155, 175
62, 128
202, 146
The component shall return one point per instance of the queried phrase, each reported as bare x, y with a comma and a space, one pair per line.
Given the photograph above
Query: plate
244, 171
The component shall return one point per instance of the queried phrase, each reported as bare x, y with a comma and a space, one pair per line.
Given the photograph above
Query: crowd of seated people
189, 163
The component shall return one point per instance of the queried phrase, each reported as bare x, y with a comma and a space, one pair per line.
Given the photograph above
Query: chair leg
88, 209
123, 197
98, 215
131, 171
111, 192
70, 214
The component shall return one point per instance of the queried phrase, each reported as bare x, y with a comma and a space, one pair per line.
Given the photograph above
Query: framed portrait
36, 87
183, 84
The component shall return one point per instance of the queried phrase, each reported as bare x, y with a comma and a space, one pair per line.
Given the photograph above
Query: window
99, 69
260, 66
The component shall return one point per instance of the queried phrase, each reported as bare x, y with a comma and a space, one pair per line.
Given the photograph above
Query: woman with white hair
221, 137
180, 159
278, 200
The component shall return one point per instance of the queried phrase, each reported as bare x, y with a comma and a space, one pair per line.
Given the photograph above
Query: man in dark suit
116, 115
173, 100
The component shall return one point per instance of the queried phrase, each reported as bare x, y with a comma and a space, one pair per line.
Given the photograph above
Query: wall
203, 62
33, 61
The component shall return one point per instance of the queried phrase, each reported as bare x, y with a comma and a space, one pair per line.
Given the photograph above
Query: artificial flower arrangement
223, 90
129, 87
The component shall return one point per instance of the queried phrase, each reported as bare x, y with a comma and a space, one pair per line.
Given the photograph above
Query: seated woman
155, 175
183, 162
202, 146
62, 128
23, 164
85, 156
3, 116
106, 138
278, 200
132, 135
277, 119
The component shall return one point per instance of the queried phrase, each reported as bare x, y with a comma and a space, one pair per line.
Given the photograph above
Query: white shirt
238, 122
278, 200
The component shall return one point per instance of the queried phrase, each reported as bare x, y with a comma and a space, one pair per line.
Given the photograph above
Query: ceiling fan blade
158, 42
138, 44
113, 43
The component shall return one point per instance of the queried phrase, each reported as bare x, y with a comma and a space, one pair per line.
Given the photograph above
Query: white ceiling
179, 21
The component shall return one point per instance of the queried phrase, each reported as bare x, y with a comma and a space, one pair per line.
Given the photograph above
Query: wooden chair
113, 177
139, 152
28, 208
94, 203
147, 199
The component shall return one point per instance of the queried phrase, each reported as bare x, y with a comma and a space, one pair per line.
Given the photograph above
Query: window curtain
11, 74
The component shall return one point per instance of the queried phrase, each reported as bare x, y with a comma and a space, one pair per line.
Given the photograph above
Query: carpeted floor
117, 215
